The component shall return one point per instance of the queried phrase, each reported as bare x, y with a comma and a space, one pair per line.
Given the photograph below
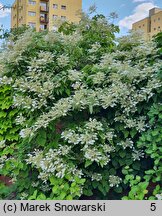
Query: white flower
63, 60
2, 144
137, 154
128, 143
159, 196
114, 181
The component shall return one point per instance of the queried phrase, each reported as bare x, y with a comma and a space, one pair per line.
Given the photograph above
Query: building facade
42, 14
151, 25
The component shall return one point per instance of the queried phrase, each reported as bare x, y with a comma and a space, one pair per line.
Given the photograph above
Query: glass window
32, 2
63, 7
32, 24
42, 15
31, 13
42, 27
43, 6
55, 6
63, 17
55, 16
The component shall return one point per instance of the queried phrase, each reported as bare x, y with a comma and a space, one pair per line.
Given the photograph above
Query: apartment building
151, 25
42, 14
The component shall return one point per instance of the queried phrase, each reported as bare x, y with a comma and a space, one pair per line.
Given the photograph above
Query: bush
81, 102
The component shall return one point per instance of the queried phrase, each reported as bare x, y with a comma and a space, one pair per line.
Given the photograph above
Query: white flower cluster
40, 62
137, 154
96, 177
35, 184
93, 154
159, 196
2, 144
20, 119
139, 123
94, 48
53, 163
98, 78
114, 181
2, 161
128, 143
35, 84
89, 136
6, 80
63, 60
27, 132
24, 196
75, 75
94, 125
14, 54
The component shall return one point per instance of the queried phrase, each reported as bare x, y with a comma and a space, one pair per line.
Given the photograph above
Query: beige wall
143, 25
18, 17
72, 7
156, 23
21, 8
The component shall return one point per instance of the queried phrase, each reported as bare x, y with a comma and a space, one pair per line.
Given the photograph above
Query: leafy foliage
80, 103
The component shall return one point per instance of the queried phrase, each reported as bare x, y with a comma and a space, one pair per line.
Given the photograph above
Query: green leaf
133, 132
34, 196
69, 197
88, 163
118, 189
41, 197
112, 171
62, 195
41, 138
122, 153
55, 189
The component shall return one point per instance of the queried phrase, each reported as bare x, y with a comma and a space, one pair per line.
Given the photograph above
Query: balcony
43, 9
43, 20
43, 27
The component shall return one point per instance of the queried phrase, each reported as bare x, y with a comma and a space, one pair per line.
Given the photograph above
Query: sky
129, 11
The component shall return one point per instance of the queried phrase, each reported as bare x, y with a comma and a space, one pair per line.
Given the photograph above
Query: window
55, 6
55, 17
42, 15
154, 29
139, 26
32, 2
63, 7
154, 20
42, 27
32, 24
159, 19
143, 25
31, 13
63, 17
43, 6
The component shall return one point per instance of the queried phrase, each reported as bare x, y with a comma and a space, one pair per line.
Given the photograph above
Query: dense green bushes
84, 106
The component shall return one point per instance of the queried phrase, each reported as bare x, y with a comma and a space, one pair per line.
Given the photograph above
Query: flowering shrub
82, 104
